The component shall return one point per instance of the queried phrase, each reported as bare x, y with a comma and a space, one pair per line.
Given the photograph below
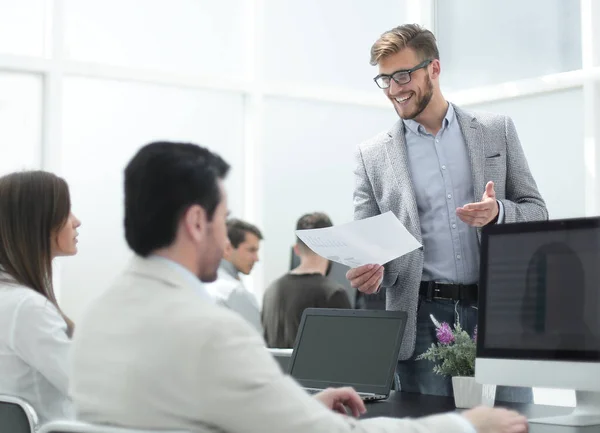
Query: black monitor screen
541, 288
347, 350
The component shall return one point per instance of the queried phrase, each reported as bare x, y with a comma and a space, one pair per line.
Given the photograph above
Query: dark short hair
314, 220
237, 229
161, 182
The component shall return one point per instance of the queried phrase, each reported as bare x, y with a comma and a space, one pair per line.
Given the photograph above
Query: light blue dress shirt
194, 281
442, 180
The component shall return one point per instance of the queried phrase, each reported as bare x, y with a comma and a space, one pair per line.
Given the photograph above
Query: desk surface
405, 404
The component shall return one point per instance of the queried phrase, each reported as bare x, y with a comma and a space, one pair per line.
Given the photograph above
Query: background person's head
36, 225
404, 48
176, 205
244, 243
313, 220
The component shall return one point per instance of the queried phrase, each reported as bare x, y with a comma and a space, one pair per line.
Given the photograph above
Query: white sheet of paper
375, 240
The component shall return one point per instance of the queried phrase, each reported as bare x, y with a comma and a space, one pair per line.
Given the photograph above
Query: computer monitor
539, 310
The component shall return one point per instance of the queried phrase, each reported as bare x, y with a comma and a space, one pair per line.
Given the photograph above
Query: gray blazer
383, 183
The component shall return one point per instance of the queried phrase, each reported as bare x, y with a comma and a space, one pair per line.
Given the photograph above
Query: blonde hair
421, 40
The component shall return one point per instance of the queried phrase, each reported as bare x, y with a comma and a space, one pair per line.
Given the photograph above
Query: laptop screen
348, 348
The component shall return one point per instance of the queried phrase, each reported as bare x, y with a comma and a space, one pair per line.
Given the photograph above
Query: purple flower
444, 334
475, 333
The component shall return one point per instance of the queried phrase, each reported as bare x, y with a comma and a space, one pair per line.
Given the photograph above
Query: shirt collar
418, 129
192, 279
230, 269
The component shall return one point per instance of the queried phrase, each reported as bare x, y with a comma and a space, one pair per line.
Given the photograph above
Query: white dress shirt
229, 291
34, 351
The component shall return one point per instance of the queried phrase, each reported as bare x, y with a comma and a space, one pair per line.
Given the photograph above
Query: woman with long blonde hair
36, 225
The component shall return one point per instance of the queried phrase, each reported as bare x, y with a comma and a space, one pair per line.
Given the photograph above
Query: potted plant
454, 356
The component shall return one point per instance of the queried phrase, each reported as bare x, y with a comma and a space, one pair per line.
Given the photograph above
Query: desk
406, 404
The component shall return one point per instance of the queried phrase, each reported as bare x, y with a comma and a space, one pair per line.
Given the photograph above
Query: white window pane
190, 36
104, 124
553, 143
20, 121
308, 163
22, 27
487, 42
326, 42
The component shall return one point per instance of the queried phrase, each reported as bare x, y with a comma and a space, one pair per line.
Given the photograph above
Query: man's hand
482, 213
490, 420
338, 399
366, 278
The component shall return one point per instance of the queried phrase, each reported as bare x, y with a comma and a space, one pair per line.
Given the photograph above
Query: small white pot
468, 393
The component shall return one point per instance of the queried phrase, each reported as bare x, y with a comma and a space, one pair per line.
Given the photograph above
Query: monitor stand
586, 412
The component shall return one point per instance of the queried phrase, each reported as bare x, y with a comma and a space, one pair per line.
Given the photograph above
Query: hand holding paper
366, 278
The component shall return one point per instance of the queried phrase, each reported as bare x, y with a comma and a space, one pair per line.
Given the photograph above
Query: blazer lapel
407, 204
471, 130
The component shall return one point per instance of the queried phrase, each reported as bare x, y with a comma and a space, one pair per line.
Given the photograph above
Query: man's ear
297, 250
228, 251
195, 222
436, 69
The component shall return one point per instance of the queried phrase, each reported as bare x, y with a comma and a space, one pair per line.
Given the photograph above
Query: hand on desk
490, 420
338, 399
366, 278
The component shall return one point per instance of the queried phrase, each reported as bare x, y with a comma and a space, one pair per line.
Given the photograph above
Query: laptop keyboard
371, 397
363, 396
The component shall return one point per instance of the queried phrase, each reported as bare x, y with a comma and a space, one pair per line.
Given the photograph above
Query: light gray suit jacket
150, 352
383, 183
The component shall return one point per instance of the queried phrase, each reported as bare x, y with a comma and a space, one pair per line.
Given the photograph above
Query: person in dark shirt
304, 287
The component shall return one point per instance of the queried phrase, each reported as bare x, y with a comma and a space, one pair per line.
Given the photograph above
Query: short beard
421, 103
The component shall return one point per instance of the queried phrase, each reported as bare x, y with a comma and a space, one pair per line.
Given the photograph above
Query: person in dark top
304, 287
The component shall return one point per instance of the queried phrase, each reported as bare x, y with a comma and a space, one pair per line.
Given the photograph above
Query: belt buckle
435, 290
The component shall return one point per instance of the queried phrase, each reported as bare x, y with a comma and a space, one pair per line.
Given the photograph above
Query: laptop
357, 348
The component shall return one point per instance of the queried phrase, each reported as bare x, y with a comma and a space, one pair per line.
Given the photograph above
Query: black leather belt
456, 292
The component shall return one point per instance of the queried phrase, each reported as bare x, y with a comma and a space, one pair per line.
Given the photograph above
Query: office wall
104, 124
23, 26
325, 43
20, 121
490, 42
553, 141
202, 37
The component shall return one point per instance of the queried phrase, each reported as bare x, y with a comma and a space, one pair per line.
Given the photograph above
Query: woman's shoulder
16, 296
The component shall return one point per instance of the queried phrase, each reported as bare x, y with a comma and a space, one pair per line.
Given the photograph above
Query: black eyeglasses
400, 77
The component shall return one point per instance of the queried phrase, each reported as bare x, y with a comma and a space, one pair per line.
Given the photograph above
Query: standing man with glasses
445, 173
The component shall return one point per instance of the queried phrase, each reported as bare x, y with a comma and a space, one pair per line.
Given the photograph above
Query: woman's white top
34, 351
